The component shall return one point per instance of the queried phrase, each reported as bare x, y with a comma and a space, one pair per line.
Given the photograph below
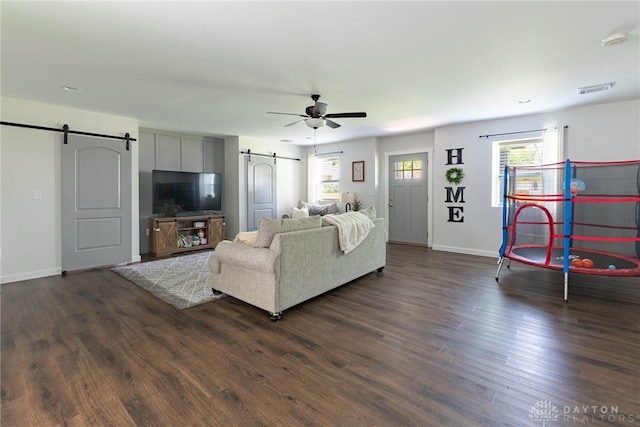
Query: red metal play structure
577, 217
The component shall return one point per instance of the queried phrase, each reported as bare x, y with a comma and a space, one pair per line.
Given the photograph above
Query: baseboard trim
19, 277
466, 251
11, 278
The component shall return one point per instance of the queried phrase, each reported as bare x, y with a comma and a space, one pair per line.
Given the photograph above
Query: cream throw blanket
353, 227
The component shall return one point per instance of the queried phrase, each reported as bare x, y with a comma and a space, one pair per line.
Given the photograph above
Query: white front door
408, 213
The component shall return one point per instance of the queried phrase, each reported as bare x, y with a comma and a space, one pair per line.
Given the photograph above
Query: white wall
375, 152
606, 132
231, 188
30, 229
353, 151
30, 160
603, 133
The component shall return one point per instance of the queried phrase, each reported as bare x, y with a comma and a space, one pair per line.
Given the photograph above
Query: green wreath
454, 175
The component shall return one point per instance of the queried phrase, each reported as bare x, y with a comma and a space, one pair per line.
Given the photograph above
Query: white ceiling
216, 68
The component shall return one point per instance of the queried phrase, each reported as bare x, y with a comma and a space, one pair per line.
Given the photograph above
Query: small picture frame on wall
357, 171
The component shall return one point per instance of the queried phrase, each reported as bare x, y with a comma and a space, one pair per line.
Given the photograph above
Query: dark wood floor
434, 340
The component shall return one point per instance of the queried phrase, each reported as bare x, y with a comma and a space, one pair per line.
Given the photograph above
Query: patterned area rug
181, 281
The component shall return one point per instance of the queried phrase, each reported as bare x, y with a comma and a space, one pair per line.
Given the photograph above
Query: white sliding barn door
261, 190
96, 203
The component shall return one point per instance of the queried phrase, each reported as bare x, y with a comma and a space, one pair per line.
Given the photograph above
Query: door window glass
408, 170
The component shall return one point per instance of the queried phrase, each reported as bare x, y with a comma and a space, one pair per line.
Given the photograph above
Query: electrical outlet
147, 231
37, 195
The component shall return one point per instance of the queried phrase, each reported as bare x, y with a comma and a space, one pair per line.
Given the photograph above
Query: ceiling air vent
595, 88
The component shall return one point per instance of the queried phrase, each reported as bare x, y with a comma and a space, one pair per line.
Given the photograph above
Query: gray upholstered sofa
296, 265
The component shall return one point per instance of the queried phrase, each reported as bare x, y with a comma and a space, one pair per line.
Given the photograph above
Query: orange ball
587, 263
577, 262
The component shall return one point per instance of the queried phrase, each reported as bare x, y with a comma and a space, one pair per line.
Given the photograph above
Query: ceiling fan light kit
315, 115
315, 123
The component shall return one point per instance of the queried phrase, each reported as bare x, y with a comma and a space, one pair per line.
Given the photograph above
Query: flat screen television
186, 193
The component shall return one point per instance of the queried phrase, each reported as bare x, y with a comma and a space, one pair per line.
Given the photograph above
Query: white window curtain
553, 152
312, 185
553, 140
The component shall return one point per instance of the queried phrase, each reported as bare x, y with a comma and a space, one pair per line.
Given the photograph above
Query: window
526, 152
534, 150
408, 170
328, 169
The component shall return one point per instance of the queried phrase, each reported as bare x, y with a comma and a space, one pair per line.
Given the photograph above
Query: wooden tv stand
172, 235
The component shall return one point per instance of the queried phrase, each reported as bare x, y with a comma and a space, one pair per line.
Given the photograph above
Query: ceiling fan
316, 116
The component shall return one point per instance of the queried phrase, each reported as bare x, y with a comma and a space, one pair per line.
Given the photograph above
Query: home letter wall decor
457, 156
457, 197
455, 175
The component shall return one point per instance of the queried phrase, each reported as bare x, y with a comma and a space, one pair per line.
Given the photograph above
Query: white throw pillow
299, 213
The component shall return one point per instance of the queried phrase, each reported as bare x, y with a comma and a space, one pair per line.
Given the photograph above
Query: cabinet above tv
173, 151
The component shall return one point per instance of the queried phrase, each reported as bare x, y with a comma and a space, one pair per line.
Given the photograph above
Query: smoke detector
615, 39
595, 88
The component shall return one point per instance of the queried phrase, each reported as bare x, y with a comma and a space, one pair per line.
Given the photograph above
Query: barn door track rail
66, 131
273, 156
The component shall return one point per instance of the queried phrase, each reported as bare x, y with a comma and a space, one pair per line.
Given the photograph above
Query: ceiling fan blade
288, 114
297, 121
344, 115
331, 124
